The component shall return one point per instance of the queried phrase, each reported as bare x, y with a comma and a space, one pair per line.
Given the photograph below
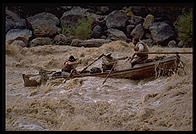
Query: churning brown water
81, 104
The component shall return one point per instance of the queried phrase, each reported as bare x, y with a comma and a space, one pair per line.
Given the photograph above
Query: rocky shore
108, 24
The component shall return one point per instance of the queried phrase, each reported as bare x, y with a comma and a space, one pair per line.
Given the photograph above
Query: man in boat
139, 46
70, 65
108, 62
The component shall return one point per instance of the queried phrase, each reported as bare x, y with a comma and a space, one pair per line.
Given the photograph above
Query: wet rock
13, 21
180, 43
40, 41
116, 19
115, 34
44, 24
18, 34
172, 43
76, 42
138, 31
148, 21
96, 32
161, 31
61, 39
18, 43
89, 43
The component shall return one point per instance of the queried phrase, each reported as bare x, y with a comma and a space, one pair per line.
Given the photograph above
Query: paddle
164, 52
158, 53
92, 63
109, 73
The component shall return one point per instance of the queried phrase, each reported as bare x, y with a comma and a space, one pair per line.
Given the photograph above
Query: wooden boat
164, 66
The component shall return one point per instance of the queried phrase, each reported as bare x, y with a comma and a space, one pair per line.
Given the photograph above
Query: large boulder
72, 16
138, 31
13, 21
18, 34
161, 31
115, 34
40, 41
44, 24
116, 19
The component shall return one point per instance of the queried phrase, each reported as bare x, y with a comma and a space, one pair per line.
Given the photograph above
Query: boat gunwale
146, 65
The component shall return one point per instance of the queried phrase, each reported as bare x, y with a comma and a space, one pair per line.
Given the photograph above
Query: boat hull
140, 71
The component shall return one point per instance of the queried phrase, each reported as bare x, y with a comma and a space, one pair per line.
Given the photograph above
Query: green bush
184, 24
82, 30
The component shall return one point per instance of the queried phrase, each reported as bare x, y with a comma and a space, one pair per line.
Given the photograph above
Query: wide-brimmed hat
71, 58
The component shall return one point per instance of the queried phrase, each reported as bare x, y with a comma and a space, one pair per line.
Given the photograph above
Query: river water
79, 104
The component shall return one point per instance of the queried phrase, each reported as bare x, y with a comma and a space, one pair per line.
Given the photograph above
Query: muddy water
81, 104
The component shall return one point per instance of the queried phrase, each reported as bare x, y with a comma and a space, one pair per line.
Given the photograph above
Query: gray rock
180, 43
148, 21
61, 39
115, 34
138, 31
44, 24
40, 41
18, 34
76, 42
72, 16
116, 19
129, 28
172, 43
96, 32
18, 43
52, 19
13, 21
89, 43
135, 20
161, 31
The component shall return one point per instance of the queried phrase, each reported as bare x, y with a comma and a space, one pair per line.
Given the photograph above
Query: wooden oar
92, 63
158, 53
163, 52
109, 73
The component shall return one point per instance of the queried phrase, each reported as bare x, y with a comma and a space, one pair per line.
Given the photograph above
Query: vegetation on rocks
184, 24
81, 31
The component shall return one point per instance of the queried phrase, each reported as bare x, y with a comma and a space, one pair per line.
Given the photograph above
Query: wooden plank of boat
139, 71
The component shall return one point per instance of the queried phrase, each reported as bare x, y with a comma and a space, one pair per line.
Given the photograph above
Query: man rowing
108, 62
138, 58
70, 65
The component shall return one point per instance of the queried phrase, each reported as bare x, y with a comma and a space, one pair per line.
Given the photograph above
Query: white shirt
141, 47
